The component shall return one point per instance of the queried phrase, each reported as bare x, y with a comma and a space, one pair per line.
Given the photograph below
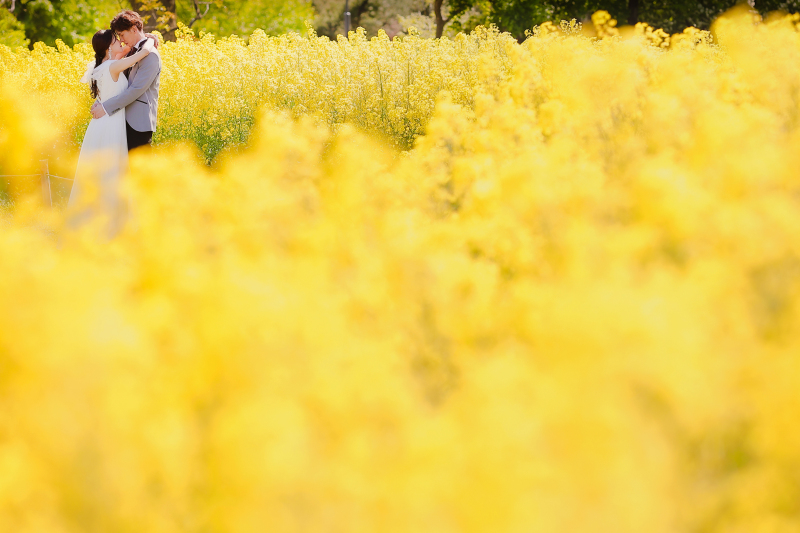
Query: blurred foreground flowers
573, 306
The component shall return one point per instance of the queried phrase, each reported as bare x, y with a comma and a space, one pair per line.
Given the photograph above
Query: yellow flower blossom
373, 285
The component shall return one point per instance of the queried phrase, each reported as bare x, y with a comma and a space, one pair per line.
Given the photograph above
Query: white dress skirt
95, 196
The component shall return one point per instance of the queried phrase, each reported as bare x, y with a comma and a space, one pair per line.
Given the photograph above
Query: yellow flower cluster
211, 89
604, 24
572, 306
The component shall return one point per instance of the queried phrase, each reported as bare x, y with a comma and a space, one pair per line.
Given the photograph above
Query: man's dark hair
126, 20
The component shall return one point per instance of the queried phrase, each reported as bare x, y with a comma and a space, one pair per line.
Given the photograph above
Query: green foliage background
517, 16
12, 31
75, 21
72, 21
242, 17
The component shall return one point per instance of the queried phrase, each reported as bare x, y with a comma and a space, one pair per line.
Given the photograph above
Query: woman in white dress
104, 152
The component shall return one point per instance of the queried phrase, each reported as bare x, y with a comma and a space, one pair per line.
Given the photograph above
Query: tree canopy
26, 21
72, 21
12, 31
516, 16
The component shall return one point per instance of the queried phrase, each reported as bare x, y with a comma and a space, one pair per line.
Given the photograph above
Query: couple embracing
124, 79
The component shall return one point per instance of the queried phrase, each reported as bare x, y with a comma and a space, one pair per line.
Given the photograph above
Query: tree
439, 18
516, 16
69, 20
12, 31
671, 15
158, 15
372, 15
242, 17
226, 17
75, 21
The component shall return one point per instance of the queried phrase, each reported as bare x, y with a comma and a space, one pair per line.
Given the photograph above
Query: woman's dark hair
100, 42
126, 20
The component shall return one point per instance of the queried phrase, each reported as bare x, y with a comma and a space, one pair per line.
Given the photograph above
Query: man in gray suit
140, 99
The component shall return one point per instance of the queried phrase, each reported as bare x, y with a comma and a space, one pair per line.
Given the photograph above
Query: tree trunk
357, 10
440, 20
166, 23
633, 12
197, 14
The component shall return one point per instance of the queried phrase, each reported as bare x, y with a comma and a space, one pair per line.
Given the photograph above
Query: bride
104, 152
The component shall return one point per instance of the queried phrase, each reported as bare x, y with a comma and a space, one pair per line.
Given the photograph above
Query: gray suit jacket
140, 99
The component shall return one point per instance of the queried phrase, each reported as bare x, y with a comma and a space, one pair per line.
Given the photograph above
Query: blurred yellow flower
569, 304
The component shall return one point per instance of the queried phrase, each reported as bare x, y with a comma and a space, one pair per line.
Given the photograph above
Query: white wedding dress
103, 160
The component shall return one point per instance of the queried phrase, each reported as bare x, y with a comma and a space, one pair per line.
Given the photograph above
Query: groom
140, 99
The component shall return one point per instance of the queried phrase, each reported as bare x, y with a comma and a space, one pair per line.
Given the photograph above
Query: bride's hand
148, 45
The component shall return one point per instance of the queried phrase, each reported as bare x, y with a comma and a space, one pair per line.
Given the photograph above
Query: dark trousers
137, 138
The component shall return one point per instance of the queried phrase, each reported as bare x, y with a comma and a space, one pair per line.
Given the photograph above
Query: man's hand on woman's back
154, 38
